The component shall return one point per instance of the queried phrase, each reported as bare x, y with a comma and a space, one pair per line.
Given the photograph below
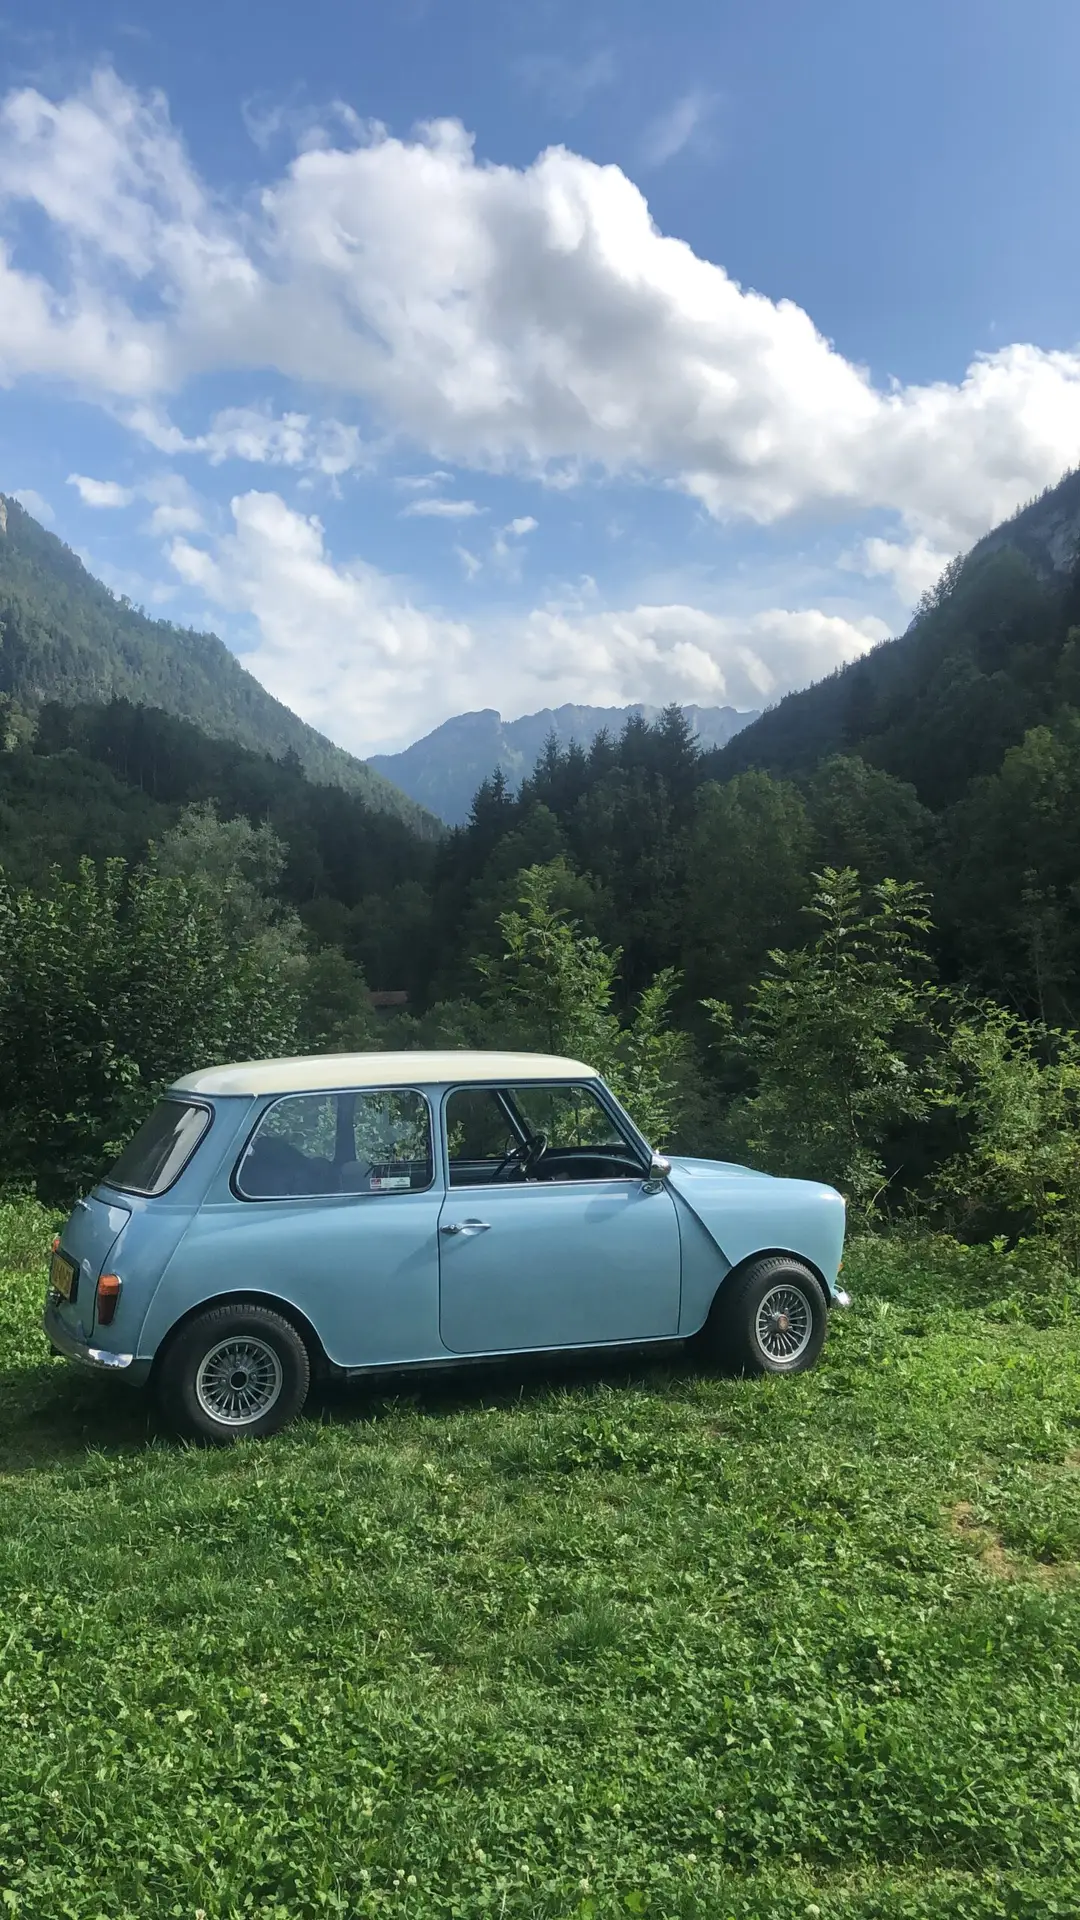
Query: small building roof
326, 1072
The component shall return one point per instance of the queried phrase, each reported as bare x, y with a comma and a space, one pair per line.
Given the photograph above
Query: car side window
507, 1135
349, 1142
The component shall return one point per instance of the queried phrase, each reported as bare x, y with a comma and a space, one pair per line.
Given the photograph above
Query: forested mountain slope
105, 781
443, 770
990, 653
64, 636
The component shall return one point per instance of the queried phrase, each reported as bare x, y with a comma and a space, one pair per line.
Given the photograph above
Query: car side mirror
659, 1168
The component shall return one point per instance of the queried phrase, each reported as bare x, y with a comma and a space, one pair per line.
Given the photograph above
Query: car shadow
496, 1385
51, 1416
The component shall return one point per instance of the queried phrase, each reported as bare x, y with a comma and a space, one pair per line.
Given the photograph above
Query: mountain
443, 770
993, 651
64, 636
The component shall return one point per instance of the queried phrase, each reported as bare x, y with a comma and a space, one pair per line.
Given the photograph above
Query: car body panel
745, 1213
558, 1264
369, 1287
563, 1265
88, 1239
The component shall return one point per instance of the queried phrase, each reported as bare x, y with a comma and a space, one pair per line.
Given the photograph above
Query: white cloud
679, 127
471, 564
658, 654
258, 435
340, 644
913, 566
101, 493
35, 503
505, 550
545, 325
175, 507
426, 509
346, 647
417, 482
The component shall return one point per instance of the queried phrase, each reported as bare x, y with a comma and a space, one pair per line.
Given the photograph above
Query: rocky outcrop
1047, 532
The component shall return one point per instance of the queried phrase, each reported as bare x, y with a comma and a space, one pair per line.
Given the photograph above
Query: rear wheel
771, 1318
234, 1372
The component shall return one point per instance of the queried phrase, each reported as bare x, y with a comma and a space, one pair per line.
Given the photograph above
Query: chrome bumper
840, 1298
95, 1359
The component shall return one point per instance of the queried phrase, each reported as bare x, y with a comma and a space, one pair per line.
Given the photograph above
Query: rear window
161, 1149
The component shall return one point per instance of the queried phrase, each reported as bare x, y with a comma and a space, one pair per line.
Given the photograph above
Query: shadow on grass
50, 1416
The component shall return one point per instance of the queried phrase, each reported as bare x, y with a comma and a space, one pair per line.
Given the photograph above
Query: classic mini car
358, 1212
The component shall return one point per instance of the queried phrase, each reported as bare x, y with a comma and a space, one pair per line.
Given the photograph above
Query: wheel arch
770, 1253
248, 1297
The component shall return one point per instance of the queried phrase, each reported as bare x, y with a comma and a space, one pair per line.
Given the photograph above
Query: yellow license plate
62, 1275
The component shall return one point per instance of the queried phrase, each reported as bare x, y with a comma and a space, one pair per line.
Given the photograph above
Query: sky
445, 354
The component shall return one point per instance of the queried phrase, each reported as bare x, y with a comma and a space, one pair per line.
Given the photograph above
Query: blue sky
446, 353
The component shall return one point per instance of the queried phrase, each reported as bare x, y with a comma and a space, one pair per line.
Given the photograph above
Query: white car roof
323, 1072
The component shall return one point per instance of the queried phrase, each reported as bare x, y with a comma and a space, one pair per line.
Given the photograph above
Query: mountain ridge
64, 636
948, 675
443, 770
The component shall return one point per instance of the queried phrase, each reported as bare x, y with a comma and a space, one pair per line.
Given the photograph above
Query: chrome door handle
467, 1226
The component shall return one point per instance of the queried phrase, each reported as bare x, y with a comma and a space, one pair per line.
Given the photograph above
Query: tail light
108, 1293
56, 1243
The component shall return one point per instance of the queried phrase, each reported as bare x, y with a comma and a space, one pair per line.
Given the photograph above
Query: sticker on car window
388, 1182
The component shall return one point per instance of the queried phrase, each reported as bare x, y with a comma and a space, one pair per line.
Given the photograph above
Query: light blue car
358, 1212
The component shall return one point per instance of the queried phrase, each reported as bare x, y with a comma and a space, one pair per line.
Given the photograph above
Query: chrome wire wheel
784, 1323
238, 1380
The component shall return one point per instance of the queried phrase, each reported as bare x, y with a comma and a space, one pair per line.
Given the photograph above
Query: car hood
682, 1167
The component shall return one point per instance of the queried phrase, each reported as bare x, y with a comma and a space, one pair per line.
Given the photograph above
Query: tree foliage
555, 988
113, 983
840, 1043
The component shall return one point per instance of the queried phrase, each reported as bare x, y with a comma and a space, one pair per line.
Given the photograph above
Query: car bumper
99, 1360
840, 1298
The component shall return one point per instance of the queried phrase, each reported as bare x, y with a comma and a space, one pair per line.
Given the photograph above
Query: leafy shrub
839, 1047
111, 985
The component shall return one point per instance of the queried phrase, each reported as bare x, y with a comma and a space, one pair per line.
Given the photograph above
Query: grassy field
585, 1646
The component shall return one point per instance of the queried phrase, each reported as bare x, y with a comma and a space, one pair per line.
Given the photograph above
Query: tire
746, 1329
236, 1372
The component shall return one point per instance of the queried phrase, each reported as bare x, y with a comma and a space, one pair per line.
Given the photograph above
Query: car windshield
161, 1149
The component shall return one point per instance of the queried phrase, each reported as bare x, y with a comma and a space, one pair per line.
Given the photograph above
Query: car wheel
771, 1318
235, 1372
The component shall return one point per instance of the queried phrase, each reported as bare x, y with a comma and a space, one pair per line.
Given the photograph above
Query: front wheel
234, 1372
771, 1318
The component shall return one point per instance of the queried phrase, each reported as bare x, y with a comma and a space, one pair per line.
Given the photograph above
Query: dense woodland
64, 636
846, 944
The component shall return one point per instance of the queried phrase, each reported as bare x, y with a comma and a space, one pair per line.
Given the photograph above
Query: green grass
649, 1643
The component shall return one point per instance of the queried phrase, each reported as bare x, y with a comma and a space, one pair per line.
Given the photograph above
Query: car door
558, 1257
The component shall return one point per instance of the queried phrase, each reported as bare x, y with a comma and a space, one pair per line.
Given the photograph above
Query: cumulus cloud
658, 654
346, 646
913, 566
506, 544
340, 644
100, 493
545, 325
175, 508
259, 436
